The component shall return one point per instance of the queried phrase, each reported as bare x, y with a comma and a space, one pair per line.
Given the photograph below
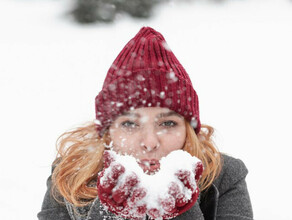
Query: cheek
124, 143
174, 141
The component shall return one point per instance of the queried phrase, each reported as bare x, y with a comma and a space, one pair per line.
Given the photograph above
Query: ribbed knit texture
146, 74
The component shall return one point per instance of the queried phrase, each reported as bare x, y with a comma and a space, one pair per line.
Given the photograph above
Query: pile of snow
157, 185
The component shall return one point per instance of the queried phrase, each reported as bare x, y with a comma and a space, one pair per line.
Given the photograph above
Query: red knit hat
146, 73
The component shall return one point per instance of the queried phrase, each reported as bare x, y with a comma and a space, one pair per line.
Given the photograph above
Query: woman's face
148, 133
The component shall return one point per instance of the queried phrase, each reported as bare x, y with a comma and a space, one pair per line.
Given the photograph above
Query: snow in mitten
128, 192
177, 201
118, 190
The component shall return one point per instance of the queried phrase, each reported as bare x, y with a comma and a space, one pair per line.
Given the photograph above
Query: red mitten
181, 197
118, 191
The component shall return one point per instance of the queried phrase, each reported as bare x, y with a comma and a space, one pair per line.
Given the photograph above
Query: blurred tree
88, 11
137, 8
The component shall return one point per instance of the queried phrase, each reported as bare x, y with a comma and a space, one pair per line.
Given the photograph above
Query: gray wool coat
226, 199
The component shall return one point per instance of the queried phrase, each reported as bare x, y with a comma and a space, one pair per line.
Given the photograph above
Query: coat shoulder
233, 170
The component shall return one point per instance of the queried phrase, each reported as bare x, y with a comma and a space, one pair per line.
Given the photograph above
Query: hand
118, 190
181, 197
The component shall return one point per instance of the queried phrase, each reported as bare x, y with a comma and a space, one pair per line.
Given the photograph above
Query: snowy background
237, 53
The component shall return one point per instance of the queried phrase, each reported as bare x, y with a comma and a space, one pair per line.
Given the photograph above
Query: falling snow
165, 45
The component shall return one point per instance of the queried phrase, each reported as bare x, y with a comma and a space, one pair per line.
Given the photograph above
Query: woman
147, 108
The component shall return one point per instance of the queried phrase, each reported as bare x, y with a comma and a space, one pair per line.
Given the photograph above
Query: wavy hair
79, 160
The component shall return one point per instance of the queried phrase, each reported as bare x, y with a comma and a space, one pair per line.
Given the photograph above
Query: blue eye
129, 124
169, 124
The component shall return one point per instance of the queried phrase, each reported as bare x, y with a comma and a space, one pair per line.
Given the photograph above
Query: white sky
238, 55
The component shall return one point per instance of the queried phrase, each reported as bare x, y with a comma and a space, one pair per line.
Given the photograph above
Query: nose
149, 141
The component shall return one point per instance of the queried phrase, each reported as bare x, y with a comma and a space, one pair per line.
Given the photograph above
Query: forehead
151, 111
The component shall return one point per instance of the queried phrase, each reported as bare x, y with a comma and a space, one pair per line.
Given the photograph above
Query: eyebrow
167, 114
161, 115
131, 114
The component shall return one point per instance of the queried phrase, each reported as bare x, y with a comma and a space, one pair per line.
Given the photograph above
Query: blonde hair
79, 159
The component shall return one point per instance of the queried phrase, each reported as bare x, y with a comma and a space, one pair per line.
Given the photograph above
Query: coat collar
209, 202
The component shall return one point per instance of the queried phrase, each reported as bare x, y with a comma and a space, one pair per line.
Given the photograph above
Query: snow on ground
238, 55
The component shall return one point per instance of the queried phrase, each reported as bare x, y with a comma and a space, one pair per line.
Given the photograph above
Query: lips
149, 166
